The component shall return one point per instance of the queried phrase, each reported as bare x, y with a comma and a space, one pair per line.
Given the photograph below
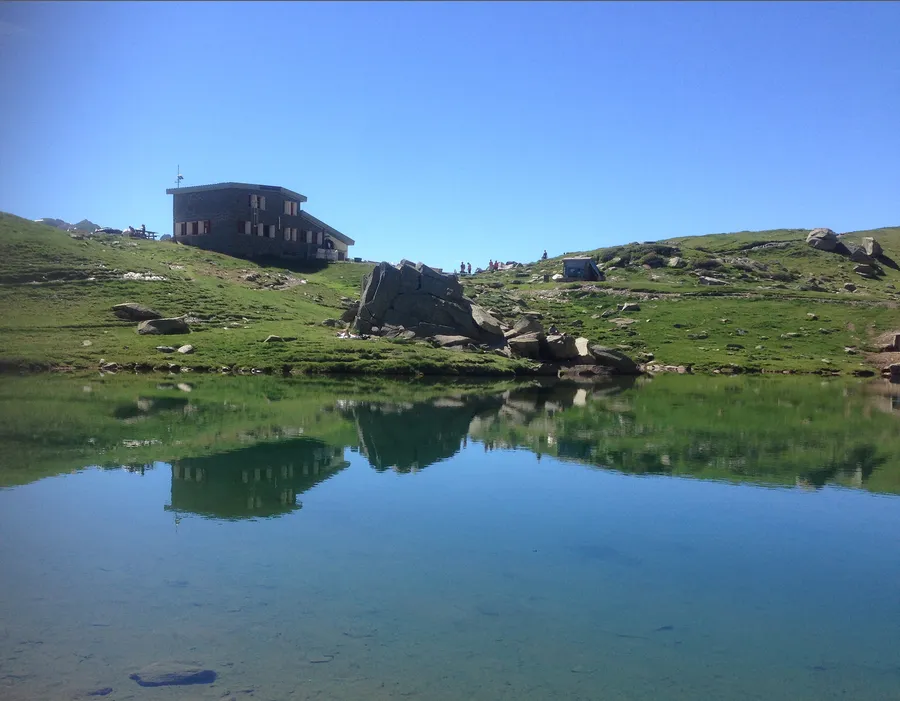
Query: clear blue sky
449, 131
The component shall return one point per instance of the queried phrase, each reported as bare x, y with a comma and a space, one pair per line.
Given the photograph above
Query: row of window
191, 228
259, 202
290, 233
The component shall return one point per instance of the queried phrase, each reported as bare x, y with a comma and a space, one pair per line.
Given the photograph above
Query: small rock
734, 346
175, 325
791, 334
185, 350
849, 286
630, 307
165, 349
87, 343
132, 311
704, 280
273, 339
866, 271
331, 322
812, 317
850, 351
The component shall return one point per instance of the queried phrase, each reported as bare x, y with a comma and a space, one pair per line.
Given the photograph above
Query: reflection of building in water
264, 480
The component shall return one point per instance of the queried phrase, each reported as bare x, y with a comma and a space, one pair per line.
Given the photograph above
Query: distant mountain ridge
83, 225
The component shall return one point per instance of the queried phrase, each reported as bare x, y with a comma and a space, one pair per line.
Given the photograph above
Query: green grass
56, 293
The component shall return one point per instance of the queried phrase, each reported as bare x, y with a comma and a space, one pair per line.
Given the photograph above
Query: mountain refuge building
248, 221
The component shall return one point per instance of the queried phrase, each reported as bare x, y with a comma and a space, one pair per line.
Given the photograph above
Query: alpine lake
277, 539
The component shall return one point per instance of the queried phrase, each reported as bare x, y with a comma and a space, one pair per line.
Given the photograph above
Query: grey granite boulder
175, 325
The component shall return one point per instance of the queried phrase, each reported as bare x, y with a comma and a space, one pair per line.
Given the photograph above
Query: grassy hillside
56, 293
784, 307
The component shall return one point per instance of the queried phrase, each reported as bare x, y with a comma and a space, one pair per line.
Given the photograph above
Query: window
195, 225
259, 229
262, 202
254, 202
294, 206
271, 231
287, 233
287, 207
179, 228
205, 226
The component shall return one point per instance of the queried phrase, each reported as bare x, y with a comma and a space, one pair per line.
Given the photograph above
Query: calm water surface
675, 539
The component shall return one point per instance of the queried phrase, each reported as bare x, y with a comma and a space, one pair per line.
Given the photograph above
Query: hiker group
493, 266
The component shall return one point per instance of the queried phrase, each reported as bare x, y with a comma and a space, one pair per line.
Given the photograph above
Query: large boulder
865, 271
132, 311
872, 247
822, 239
527, 345
164, 327
858, 255
620, 363
561, 347
422, 300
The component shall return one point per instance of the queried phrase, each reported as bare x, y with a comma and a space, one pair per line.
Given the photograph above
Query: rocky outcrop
705, 280
561, 347
131, 311
822, 239
424, 301
872, 247
866, 271
525, 325
174, 325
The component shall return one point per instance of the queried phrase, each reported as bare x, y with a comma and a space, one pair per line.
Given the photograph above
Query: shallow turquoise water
297, 571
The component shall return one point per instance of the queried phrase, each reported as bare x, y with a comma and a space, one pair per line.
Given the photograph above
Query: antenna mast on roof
179, 177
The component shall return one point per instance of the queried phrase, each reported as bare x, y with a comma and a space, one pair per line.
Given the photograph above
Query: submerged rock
173, 674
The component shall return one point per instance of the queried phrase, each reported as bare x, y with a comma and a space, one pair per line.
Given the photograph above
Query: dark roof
237, 186
331, 231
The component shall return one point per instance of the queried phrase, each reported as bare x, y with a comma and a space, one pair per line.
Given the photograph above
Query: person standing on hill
469, 266
462, 268
544, 257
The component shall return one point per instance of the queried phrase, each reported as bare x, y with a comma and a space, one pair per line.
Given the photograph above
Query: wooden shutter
262, 202
259, 229
247, 227
287, 207
254, 201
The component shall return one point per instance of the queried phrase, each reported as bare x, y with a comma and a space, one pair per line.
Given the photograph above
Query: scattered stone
165, 349
676, 262
87, 343
850, 287
871, 247
734, 346
108, 367
132, 311
704, 280
331, 322
176, 325
866, 271
608, 313
811, 316
822, 239
630, 307
350, 313
273, 339
173, 674
185, 350
791, 334
850, 351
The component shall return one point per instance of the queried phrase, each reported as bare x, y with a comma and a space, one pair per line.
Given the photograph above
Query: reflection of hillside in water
805, 434
264, 480
412, 435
